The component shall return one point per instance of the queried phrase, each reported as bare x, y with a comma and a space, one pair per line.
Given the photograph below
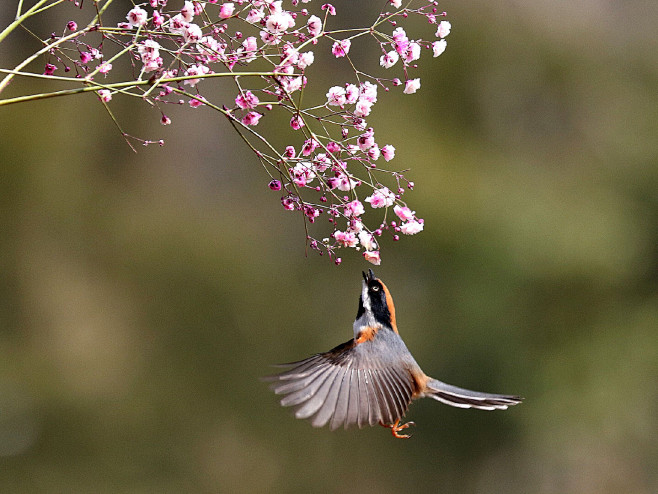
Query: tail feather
465, 398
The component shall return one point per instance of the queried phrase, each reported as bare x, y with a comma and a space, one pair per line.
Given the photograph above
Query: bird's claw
396, 428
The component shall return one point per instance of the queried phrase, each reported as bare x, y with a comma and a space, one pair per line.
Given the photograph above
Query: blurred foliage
142, 295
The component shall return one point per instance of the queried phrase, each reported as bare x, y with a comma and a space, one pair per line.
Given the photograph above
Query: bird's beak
368, 277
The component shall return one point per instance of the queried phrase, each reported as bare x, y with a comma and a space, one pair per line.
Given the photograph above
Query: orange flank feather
420, 380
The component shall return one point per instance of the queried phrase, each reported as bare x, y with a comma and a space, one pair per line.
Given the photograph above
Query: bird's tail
464, 398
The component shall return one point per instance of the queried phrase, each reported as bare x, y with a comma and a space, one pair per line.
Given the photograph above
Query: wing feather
308, 390
313, 404
353, 402
399, 403
342, 401
353, 384
364, 399
329, 406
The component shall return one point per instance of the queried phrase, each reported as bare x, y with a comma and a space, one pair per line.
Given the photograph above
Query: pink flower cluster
333, 166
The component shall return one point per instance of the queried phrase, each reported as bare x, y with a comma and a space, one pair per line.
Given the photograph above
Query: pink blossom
329, 8
49, 69
279, 22
311, 212
165, 120
105, 67
270, 38
396, 3
197, 69
250, 44
305, 59
359, 123
158, 18
302, 173
443, 29
388, 152
374, 153
389, 59
275, 185
366, 141
210, 48
292, 84
438, 47
347, 239
297, 122
197, 101
367, 240
336, 96
284, 69
341, 48
413, 52
411, 86
400, 41
71, 26
187, 11
178, 25
354, 208
255, 16
85, 57
310, 145
291, 55
362, 108
248, 100
288, 203
192, 33
137, 17
351, 94
411, 227
354, 225
150, 53
251, 118
373, 257
321, 162
314, 26
152, 64
345, 183
404, 213
381, 198
104, 95
149, 49
226, 10
368, 92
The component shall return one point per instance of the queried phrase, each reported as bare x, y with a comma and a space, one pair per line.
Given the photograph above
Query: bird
372, 378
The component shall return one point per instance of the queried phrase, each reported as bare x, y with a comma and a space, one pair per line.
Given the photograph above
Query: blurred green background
143, 295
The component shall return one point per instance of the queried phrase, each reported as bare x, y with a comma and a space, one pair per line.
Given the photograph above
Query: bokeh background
143, 295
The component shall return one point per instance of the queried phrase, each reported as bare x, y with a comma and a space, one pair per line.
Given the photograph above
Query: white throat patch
367, 319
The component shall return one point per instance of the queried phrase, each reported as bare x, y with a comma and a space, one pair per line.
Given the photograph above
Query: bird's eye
375, 288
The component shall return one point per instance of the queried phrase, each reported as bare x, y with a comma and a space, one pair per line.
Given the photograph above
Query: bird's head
376, 304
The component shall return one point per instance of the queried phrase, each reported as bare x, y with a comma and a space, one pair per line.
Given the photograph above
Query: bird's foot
396, 428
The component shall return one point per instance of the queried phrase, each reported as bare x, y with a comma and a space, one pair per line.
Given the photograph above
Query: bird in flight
372, 378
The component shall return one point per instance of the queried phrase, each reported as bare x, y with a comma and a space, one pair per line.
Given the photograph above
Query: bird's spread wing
353, 384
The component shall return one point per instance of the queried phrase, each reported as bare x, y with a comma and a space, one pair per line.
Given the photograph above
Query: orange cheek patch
391, 307
366, 334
